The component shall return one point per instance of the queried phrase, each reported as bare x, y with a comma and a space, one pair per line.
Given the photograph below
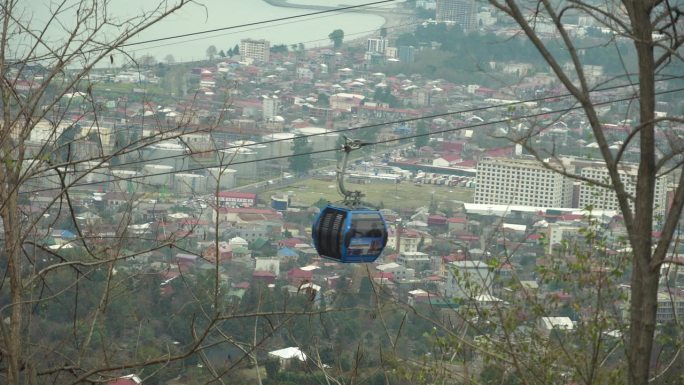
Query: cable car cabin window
367, 225
366, 234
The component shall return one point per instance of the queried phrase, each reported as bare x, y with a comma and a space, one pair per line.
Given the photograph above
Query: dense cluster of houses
186, 185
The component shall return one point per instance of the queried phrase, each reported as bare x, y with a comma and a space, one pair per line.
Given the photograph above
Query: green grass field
392, 196
127, 88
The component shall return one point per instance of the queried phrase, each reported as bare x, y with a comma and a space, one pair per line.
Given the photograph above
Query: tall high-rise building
256, 50
605, 199
407, 53
528, 183
329, 59
461, 12
520, 182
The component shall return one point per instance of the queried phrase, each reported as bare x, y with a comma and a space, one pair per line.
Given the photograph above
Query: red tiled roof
468, 237
383, 275
409, 233
263, 273
453, 257
299, 273
434, 278
168, 274
451, 158
571, 217
291, 242
452, 146
457, 220
247, 210
466, 163
499, 152
236, 194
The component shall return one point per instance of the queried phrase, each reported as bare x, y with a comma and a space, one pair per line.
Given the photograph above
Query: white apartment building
268, 264
468, 279
377, 44
345, 101
605, 199
399, 272
556, 233
427, 4
522, 182
670, 307
255, 50
415, 260
270, 106
461, 12
408, 244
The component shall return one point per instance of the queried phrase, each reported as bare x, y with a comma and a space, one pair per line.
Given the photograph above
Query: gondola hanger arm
351, 198
352, 144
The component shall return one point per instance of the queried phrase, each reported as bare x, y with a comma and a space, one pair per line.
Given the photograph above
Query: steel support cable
404, 138
363, 127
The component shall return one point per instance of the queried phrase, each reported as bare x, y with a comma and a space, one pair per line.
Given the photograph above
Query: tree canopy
336, 37
301, 161
211, 52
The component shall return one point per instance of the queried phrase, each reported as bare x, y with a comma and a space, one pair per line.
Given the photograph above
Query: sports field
392, 196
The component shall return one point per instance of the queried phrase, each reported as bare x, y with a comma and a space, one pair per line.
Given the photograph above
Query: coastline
287, 4
391, 21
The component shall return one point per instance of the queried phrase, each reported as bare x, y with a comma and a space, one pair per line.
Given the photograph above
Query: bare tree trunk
642, 322
637, 20
12, 250
644, 282
10, 215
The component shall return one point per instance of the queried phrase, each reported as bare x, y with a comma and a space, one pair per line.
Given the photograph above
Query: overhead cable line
360, 33
376, 125
403, 138
363, 127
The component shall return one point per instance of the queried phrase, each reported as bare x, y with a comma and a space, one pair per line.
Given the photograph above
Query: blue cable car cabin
349, 235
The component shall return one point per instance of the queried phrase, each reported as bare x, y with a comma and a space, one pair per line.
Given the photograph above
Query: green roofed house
259, 243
